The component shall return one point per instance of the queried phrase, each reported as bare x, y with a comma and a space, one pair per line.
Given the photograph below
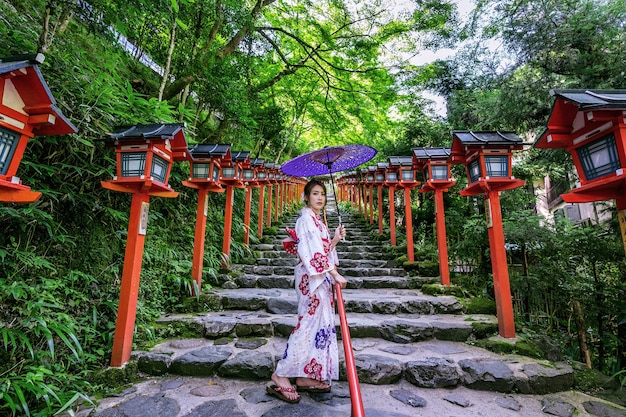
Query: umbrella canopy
328, 160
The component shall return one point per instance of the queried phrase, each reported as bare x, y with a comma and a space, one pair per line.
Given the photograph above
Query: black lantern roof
478, 138
270, 165
239, 156
209, 151
401, 161
382, 165
593, 99
12, 63
257, 162
431, 153
148, 131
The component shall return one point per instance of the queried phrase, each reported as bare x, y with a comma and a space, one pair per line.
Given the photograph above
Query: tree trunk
525, 272
45, 29
599, 317
168, 61
581, 330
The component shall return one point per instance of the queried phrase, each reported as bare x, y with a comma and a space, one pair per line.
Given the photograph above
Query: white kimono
311, 351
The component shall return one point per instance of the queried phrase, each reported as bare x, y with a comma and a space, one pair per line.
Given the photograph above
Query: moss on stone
483, 330
205, 302
179, 329
519, 347
411, 266
480, 305
116, 378
434, 288
586, 379
271, 231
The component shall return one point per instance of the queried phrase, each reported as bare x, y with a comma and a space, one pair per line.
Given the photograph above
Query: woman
311, 353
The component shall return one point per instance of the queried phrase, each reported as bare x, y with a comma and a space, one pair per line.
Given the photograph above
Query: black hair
309, 187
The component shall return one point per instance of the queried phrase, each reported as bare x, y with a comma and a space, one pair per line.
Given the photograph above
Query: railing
353, 378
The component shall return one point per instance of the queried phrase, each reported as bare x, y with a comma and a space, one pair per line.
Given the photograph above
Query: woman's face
317, 198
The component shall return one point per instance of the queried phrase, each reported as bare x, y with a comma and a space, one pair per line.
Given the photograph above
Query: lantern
144, 156
27, 109
205, 162
591, 126
487, 158
436, 169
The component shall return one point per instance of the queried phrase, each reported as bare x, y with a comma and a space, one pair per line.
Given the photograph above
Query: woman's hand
339, 279
340, 233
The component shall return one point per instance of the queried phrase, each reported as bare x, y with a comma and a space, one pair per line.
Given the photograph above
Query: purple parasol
327, 161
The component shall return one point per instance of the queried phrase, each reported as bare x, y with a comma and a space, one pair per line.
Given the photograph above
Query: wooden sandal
277, 391
320, 388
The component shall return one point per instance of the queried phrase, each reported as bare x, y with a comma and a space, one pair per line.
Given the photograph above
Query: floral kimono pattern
311, 351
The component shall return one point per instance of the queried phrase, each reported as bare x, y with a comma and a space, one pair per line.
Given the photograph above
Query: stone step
287, 281
426, 364
345, 270
383, 301
345, 263
369, 252
399, 328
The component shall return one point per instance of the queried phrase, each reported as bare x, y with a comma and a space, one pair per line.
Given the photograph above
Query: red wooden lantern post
144, 155
271, 173
391, 181
487, 158
364, 188
27, 109
591, 126
231, 178
251, 182
407, 180
261, 180
204, 177
437, 179
354, 191
379, 181
371, 183
278, 180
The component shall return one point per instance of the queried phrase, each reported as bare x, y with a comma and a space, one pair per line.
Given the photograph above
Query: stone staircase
399, 334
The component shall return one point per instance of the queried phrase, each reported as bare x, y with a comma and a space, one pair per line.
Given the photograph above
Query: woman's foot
312, 385
283, 389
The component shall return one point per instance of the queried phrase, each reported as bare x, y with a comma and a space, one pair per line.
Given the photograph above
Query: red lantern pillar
380, 209
408, 214
436, 169
199, 238
246, 216
442, 245
228, 225
270, 186
204, 177
260, 219
371, 204
501, 285
129, 288
392, 215
487, 157
143, 169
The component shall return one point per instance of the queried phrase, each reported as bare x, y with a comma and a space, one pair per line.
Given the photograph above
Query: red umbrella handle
353, 378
